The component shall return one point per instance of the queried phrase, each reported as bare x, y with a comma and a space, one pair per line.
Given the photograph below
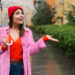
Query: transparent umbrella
27, 6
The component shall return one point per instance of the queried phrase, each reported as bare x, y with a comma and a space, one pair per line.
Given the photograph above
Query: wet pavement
52, 61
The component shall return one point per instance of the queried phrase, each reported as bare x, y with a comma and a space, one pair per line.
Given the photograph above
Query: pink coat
29, 46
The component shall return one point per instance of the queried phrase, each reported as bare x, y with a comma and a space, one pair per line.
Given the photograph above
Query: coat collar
7, 28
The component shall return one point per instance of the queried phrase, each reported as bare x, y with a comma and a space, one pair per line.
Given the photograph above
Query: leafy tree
45, 15
71, 14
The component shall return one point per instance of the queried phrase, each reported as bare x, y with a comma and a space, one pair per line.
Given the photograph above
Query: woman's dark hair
21, 26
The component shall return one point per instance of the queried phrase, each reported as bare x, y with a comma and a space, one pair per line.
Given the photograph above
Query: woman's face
18, 17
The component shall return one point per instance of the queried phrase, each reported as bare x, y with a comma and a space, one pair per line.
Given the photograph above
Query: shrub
65, 34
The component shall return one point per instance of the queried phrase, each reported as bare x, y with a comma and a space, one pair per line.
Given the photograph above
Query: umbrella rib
4, 1
5, 6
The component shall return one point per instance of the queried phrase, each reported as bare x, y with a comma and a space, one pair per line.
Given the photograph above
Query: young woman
15, 59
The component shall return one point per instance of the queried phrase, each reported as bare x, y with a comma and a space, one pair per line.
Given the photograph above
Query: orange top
3, 47
45, 38
15, 48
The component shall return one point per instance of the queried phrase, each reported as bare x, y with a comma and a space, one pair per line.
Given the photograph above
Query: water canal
52, 61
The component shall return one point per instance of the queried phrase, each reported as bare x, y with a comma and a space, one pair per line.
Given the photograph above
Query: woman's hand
52, 39
5, 40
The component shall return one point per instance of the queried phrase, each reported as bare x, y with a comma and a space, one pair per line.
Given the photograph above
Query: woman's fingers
49, 36
55, 40
5, 39
52, 39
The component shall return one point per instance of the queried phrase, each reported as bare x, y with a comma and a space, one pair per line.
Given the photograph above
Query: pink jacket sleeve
1, 51
35, 47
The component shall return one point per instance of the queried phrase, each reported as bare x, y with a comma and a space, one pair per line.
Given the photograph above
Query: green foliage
71, 14
44, 15
65, 34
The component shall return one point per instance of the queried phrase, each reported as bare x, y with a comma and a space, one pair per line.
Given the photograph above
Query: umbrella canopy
27, 6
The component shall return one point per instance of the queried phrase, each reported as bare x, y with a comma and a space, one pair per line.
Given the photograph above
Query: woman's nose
22, 15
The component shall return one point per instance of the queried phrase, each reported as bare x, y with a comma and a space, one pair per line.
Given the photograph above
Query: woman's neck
15, 27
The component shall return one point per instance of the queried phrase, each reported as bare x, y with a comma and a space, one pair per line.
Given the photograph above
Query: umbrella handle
10, 43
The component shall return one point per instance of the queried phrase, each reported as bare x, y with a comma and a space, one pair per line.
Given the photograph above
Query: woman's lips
20, 19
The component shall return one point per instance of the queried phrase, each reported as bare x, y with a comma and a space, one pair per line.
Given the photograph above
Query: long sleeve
35, 47
1, 51
45, 38
1, 45
2, 48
